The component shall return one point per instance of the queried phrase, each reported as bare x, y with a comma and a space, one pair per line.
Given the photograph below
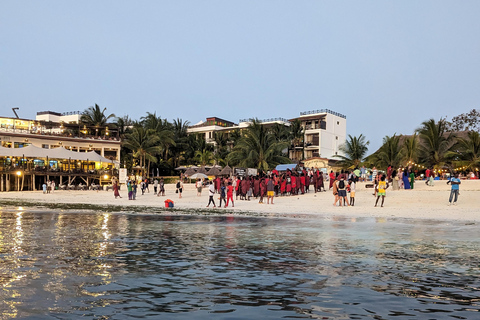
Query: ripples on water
58, 265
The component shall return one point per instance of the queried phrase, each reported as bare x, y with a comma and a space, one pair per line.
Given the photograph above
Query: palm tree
182, 142
467, 151
95, 117
203, 157
390, 153
434, 143
162, 128
296, 136
144, 145
410, 149
221, 147
354, 150
257, 148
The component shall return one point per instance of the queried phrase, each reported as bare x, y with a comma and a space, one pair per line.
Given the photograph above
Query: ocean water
76, 265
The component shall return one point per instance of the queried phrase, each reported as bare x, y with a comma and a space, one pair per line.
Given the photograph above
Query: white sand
423, 202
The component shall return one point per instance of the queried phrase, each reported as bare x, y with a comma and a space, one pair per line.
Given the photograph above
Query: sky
387, 65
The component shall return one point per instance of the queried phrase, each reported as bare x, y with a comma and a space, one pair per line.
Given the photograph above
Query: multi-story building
324, 132
51, 130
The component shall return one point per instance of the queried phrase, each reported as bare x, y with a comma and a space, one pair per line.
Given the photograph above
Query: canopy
285, 167
32, 151
226, 171
213, 172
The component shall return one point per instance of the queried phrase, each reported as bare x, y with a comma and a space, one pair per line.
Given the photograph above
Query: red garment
283, 186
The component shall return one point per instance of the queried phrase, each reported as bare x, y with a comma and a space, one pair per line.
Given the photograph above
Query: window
45, 146
338, 122
336, 138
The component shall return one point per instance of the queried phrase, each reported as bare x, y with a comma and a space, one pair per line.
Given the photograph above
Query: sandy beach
423, 202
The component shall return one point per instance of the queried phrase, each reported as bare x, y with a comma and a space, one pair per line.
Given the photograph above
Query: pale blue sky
386, 65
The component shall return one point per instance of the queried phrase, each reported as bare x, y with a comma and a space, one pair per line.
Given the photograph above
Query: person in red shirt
229, 194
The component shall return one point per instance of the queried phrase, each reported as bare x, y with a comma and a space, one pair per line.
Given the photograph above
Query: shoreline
423, 202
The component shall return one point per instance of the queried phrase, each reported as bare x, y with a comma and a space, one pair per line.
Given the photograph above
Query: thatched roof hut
190, 171
226, 171
202, 170
213, 172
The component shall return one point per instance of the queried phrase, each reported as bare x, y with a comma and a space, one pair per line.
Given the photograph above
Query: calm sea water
60, 265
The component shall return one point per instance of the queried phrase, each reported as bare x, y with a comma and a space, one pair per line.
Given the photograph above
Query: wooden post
7, 182
33, 182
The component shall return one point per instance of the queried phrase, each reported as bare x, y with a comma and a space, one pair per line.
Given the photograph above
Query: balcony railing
305, 113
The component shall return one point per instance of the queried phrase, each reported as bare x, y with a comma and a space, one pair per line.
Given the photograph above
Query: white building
325, 131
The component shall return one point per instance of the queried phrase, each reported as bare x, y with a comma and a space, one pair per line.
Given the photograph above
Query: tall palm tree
203, 157
434, 143
410, 149
162, 128
183, 142
390, 153
467, 151
257, 148
144, 145
221, 147
95, 117
354, 150
296, 136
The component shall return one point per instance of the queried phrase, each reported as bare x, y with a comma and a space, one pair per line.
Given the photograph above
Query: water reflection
77, 265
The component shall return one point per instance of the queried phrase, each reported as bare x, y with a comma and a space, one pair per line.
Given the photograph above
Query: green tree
144, 145
296, 136
391, 153
354, 150
258, 148
466, 152
94, 117
434, 143
410, 149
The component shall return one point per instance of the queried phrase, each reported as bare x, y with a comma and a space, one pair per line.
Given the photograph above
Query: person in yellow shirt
382, 186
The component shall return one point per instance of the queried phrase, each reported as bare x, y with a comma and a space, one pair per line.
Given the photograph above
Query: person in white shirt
199, 185
211, 193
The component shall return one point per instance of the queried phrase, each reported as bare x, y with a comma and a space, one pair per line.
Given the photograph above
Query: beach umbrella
181, 168
189, 171
226, 171
213, 172
198, 176
202, 170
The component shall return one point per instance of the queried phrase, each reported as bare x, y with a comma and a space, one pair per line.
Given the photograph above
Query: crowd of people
293, 183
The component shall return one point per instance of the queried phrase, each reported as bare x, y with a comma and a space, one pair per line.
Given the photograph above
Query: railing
323, 111
264, 120
70, 113
53, 134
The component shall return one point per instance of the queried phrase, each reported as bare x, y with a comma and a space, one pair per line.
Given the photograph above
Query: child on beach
222, 195
229, 194
381, 188
352, 192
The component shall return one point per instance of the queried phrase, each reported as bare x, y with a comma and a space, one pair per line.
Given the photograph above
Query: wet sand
423, 202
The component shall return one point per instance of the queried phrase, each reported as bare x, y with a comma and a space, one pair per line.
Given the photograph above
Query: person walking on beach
352, 192
179, 188
270, 190
198, 185
155, 187
211, 193
382, 186
229, 194
161, 190
342, 191
222, 191
455, 191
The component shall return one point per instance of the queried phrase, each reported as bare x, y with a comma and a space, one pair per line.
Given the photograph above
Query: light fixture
19, 173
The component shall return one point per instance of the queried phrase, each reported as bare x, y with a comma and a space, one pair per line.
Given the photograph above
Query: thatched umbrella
213, 172
190, 171
202, 170
226, 171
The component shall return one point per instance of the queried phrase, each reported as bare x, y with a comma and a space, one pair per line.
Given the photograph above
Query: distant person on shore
44, 187
363, 173
381, 187
270, 190
406, 183
199, 186
179, 188
335, 192
374, 173
332, 179
352, 191
342, 191
431, 183
161, 191
211, 193
229, 194
455, 191
115, 189
412, 179
223, 195
155, 187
